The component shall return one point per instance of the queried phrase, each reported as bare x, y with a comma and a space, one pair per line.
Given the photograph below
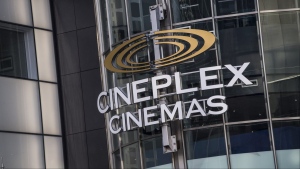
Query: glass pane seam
285, 118
280, 10
246, 122
204, 127
233, 15
150, 137
192, 21
266, 89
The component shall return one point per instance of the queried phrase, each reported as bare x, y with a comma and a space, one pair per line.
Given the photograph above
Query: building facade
54, 64
261, 126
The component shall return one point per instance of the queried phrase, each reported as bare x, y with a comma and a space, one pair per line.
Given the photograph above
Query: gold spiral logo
120, 60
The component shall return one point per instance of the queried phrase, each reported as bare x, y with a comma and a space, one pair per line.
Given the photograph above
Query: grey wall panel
97, 151
84, 12
88, 50
91, 87
68, 53
77, 151
64, 15
73, 103
80, 84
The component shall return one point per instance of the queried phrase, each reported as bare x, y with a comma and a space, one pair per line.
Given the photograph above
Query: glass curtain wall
139, 148
30, 126
261, 127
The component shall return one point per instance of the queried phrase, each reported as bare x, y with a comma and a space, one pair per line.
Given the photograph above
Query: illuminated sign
119, 61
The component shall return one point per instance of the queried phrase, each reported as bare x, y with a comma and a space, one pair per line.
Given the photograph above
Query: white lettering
136, 91
238, 74
204, 78
147, 116
178, 84
156, 86
100, 104
198, 110
115, 125
119, 92
211, 104
138, 122
177, 108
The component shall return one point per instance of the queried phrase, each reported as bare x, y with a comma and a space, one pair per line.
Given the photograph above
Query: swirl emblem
119, 60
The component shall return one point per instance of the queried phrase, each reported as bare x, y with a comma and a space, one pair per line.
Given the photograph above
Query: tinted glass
139, 15
250, 146
104, 24
205, 148
17, 56
287, 143
238, 40
129, 136
118, 20
225, 7
117, 159
131, 156
278, 4
190, 10
153, 154
281, 42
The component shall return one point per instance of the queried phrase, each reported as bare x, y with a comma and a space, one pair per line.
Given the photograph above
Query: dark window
190, 10
225, 7
17, 56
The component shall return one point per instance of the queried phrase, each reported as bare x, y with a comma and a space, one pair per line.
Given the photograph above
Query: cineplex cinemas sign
119, 61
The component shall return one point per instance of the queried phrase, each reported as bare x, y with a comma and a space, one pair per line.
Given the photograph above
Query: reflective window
104, 24
26, 104
117, 159
153, 154
183, 10
129, 136
41, 14
238, 39
225, 7
250, 146
205, 148
53, 152
278, 4
45, 55
50, 108
17, 55
131, 156
22, 150
118, 20
16, 11
20, 106
281, 42
139, 15
287, 143
149, 131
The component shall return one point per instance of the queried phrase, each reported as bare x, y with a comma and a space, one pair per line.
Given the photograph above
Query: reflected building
52, 70
260, 128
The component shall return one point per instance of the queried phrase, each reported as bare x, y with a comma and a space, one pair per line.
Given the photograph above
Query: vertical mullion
266, 85
98, 15
108, 16
222, 92
127, 19
39, 88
